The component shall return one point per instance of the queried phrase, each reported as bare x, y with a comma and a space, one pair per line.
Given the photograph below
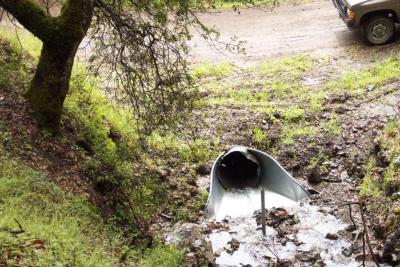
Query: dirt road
313, 26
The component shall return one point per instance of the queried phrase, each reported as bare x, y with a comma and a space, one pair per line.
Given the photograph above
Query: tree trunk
50, 84
61, 37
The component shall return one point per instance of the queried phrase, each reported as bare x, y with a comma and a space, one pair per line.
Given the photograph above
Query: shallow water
253, 249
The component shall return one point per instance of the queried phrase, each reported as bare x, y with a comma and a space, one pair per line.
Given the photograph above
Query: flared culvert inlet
238, 169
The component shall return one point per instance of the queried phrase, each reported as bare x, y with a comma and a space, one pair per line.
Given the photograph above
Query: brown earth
310, 27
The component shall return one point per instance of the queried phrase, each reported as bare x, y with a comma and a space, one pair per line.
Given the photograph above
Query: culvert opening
239, 169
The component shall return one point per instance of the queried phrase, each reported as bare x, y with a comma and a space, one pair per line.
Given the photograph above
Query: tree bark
61, 37
50, 84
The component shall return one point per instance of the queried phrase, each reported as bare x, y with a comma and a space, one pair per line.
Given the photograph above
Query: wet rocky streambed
301, 234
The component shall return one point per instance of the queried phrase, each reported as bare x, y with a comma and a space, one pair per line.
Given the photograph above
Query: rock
189, 235
330, 164
312, 191
319, 263
327, 210
347, 251
383, 159
308, 256
396, 210
189, 260
184, 234
357, 234
351, 228
391, 248
162, 172
204, 169
397, 162
314, 176
191, 181
331, 236
226, 219
395, 196
344, 176
232, 246
277, 217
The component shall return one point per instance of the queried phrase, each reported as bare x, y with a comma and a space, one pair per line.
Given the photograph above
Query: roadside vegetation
381, 183
116, 176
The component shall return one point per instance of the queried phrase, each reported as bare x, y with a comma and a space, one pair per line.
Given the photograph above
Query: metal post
263, 211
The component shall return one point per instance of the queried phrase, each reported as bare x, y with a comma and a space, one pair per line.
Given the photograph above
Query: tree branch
32, 17
76, 16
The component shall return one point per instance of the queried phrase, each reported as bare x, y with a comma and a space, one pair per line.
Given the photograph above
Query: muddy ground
291, 28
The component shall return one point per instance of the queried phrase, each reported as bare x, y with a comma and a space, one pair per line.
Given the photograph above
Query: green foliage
212, 70
316, 162
13, 72
59, 229
21, 41
65, 230
260, 137
390, 142
370, 185
290, 132
163, 256
332, 126
171, 145
293, 114
287, 68
380, 186
99, 122
357, 82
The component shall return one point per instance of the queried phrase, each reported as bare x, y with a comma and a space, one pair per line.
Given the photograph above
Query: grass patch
260, 137
291, 131
22, 40
59, 228
162, 256
195, 151
287, 68
357, 82
212, 70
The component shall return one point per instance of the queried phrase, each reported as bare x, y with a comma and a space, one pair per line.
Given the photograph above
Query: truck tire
379, 30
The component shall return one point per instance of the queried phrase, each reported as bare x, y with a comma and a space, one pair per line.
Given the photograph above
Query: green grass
196, 151
21, 37
68, 227
378, 185
60, 229
167, 256
291, 131
260, 137
357, 82
208, 69
287, 68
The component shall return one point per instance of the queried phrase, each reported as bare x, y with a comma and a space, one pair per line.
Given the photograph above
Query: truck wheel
379, 30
